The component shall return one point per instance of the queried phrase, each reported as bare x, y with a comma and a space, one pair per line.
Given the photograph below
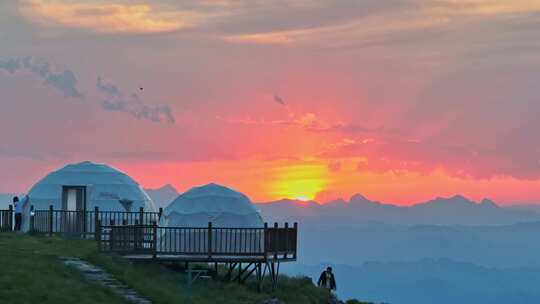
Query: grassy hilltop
31, 272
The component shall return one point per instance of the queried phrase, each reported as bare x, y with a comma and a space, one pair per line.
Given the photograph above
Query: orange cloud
108, 18
373, 27
452, 8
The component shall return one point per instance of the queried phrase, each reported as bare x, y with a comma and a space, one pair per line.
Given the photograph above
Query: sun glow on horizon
301, 182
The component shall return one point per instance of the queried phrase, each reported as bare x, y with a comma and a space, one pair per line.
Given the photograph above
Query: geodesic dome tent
85, 185
225, 208
220, 205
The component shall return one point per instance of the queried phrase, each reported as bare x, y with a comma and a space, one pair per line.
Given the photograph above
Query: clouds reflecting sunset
400, 101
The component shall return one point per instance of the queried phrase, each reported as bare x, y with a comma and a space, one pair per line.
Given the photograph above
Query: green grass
31, 272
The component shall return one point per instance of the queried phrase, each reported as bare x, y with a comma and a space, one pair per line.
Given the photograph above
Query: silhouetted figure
19, 206
327, 279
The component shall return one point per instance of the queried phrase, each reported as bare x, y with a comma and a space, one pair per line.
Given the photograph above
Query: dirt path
100, 276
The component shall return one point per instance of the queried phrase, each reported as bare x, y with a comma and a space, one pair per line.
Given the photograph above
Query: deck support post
229, 272
273, 274
189, 282
259, 277
239, 273
248, 274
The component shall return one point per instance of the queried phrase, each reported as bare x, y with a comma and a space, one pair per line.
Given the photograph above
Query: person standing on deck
327, 280
18, 211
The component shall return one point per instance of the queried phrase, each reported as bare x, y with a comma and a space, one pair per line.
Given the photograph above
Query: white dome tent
222, 206
86, 185
219, 205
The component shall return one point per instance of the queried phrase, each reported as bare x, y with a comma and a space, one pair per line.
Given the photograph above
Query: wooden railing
211, 242
129, 239
85, 222
6, 219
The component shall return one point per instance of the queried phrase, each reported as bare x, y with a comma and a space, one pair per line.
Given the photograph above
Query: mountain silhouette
456, 210
162, 196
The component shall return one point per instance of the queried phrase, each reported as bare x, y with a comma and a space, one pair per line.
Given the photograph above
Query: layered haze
445, 250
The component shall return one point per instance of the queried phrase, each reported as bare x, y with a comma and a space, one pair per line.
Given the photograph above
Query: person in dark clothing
327, 279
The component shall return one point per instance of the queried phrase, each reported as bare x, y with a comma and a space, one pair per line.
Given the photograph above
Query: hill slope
35, 274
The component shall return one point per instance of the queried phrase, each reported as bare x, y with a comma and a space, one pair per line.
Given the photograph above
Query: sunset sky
400, 100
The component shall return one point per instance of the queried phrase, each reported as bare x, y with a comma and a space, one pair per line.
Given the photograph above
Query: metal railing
84, 223
6, 219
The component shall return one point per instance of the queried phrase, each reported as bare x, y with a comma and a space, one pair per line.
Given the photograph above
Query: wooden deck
244, 251
200, 244
205, 259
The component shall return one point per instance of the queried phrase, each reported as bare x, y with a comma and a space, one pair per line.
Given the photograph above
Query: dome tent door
74, 209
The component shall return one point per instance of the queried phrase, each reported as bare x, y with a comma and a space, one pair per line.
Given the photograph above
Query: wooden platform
244, 251
206, 259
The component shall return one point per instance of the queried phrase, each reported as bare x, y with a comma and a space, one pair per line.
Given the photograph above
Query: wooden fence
279, 243
6, 219
84, 223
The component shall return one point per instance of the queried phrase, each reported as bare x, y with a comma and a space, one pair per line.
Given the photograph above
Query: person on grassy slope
327, 280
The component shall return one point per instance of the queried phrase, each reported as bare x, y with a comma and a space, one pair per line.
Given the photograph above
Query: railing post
154, 241
209, 240
10, 218
96, 220
286, 239
32, 219
276, 240
141, 216
111, 236
295, 239
97, 233
265, 236
51, 211
160, 213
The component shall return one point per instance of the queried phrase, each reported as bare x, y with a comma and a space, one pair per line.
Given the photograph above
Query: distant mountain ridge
456, 210
162, 196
